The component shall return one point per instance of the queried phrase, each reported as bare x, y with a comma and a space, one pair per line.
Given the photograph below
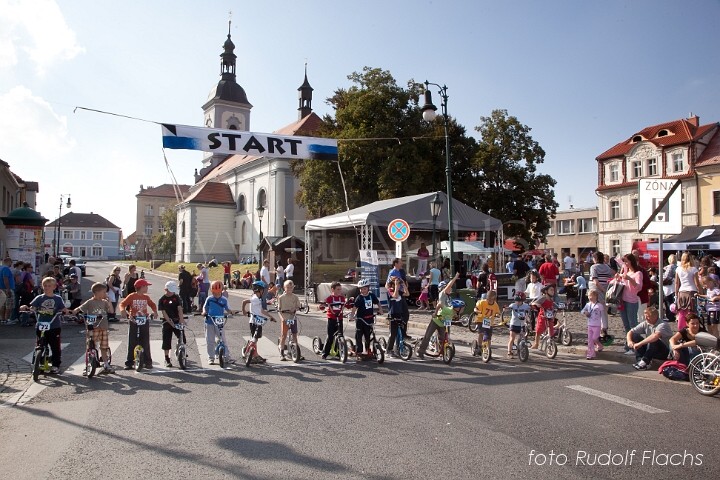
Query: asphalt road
562, 418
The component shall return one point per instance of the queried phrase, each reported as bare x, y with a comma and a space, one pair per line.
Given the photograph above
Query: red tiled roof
211, 192
166, 190
680, 132
634, 183
83, 220
711, 154
305, 127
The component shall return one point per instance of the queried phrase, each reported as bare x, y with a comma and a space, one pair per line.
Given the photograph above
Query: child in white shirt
593, 312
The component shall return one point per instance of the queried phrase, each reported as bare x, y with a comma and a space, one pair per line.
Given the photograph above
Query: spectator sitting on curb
650, 339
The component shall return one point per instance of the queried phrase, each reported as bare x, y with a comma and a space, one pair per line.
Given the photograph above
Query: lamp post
428, 112
260, 212
57, 235
435, 206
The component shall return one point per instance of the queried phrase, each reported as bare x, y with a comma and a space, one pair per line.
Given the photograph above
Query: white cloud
30, 130
38, 28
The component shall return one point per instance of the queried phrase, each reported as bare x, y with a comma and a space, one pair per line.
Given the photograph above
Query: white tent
468, 248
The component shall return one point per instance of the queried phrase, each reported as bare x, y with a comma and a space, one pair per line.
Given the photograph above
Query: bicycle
92, 357
41, 354
250, 349
406, 348
701, 310
548, 345
308, 299
484, 347
704, 368
290, 344
139, 351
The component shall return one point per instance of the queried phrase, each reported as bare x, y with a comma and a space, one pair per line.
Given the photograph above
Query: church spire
305, 98
228, 57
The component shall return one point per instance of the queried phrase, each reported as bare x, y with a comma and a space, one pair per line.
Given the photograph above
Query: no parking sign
399, 231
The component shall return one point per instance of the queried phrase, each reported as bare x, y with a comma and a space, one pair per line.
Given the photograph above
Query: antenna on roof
570, 201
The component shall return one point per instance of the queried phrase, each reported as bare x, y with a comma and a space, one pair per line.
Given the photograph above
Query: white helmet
172, 287
364, 283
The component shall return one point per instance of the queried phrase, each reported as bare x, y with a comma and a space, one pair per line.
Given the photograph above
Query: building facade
86, 235
708, 177
668, 150
152, 203
573, 231
238, 198
15, 192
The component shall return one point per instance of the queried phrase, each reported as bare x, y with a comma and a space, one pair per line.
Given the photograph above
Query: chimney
693, 119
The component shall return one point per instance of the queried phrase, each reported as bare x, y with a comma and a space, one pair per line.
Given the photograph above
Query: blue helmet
442, 285
457, 303
259, 285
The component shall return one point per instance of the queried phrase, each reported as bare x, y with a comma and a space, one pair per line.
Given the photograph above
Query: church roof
305, 127
211, 192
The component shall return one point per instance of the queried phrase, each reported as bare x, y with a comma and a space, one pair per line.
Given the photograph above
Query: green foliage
508, 185
164, 243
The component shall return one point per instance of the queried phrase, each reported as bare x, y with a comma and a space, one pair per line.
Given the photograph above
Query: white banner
233, 142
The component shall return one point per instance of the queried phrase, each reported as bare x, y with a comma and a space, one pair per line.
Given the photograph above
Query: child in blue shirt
215, 306
520, 311
48, 307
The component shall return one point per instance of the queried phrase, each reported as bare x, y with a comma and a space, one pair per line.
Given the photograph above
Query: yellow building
708, 172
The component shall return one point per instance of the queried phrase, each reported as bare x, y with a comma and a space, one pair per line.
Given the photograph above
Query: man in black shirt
185, 283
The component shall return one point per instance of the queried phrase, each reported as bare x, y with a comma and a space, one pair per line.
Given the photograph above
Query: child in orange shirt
138, 304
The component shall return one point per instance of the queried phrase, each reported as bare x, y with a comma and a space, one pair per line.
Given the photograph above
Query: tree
385, 148
163, 243
509, 188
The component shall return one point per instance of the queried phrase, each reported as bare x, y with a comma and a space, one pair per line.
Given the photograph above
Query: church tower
227, 106
305, 98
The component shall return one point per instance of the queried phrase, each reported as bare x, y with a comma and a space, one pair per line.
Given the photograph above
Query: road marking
616, 399
29, 357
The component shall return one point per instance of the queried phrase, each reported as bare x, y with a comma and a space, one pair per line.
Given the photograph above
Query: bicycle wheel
342, 349
383, 343
37, 364
474, 350
566, 337
91, 364
486, 351
317, 345
474, 327
220, 353
249, 351
704, 373
433, 348
304, 307
448, 353
379, 353
294, 352
181, 358
523, 351
465, 321
551, 348
139, 353
406, 351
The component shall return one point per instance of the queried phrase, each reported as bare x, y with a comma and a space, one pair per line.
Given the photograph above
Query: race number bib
549, 313
486, 323
368, 303
447, 323
43, 326
520, 315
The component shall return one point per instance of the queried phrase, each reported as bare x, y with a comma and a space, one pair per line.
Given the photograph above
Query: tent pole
308, 261
660, 277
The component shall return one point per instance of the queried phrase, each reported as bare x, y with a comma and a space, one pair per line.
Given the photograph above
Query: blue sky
582, 75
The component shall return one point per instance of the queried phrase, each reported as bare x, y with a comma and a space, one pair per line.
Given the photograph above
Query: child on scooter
138, 303
215, 306
485, 310
546, 317
99, 305
520, 310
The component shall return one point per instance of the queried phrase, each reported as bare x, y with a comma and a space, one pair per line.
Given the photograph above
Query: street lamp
57, 235
435, 206
260, 212
428, 112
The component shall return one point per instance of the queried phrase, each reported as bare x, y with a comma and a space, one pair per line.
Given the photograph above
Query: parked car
80, 263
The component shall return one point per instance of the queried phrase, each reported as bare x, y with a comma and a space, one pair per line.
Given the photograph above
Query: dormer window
637, 138
663, 133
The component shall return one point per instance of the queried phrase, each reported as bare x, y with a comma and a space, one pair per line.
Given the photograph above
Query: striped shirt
600, 275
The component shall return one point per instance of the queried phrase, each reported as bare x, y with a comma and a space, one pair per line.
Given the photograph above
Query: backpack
674, 370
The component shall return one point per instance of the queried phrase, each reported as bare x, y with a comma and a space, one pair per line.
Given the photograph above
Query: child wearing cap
138, 303
170, 305
102, 307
